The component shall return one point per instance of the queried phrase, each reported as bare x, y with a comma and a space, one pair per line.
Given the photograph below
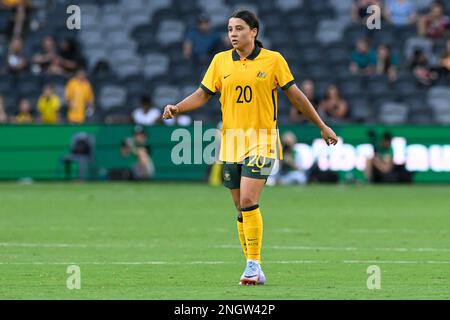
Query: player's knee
247, 202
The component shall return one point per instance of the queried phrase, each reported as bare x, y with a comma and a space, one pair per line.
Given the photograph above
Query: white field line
315, 248
225, 246
138, 263
71, 245
370, 230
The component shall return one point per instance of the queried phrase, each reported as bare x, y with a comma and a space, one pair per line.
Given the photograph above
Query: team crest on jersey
261, 75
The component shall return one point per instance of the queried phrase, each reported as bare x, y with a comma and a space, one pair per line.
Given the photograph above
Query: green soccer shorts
256, 167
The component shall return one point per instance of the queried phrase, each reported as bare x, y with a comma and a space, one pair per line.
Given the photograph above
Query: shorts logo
261, 75
227, 176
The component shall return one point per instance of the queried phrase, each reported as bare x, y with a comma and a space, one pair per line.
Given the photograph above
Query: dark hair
145, 100
251, 19
387, 136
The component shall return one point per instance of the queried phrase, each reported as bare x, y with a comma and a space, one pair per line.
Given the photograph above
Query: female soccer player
247, 77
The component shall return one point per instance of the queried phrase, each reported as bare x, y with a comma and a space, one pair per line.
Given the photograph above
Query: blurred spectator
79, 98
333, 107
3, 115
146, 114
82, 152
48, 59
421, 68
434, 25
380, 167
101, 69
20, 8
201, 43
17, 62
444, 62
387, 62
359, 10
69, 59
400, 12
307, 88
48, 105
290, 172
363, 58
24, 115
137, 147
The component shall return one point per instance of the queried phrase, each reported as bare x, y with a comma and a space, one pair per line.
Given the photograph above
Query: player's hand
169, 111
329, 136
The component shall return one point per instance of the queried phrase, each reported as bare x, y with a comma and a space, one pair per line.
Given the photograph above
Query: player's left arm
301, 102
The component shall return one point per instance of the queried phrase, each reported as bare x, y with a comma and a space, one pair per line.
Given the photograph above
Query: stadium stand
141, 44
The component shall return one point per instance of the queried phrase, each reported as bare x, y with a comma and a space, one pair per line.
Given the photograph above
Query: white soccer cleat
253, 274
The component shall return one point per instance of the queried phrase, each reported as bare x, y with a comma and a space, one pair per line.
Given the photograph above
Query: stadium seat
130, 66
132, 5
439, 92
170, 31
91, 37
29, 85
132, 19
330, 31
405, 89
94, 55
135, 84
7, 82
393, 113
187, 90
360, 110
112, 96
112, 20
421, 116
342, 6
418, 43
165, 94
155, 64
312, 55
287, 5
164, 14
159, 4
354, 32
319, 72
143, 33
441, 110
54, 79
181, 71
186, 7
422, 4
218, 18
5, 17
387, 37
350, 88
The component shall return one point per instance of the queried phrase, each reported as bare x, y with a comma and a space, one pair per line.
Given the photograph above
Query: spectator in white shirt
146, 114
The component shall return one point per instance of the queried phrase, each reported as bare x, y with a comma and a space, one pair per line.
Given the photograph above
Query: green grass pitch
179, 241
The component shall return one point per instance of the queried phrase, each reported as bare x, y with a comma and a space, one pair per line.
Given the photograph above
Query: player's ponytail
251, 19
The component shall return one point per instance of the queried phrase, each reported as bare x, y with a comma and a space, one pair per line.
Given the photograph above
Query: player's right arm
192, 102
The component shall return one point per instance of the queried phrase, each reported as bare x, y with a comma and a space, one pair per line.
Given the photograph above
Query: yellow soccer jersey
249, 98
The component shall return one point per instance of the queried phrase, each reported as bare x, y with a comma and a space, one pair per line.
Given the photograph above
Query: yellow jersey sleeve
283, 75
211, 83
